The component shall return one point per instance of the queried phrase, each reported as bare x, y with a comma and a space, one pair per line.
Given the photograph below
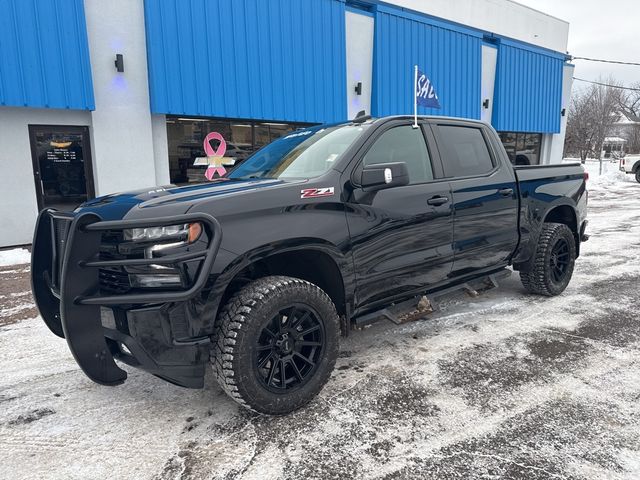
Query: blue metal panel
44, 55
449, 54
260, 59
528, 90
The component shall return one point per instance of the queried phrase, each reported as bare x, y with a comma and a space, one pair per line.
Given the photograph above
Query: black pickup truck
260, 272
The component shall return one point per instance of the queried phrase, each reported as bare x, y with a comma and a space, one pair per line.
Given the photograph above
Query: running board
419, 306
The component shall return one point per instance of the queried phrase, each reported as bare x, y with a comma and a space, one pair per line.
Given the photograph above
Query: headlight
185, 233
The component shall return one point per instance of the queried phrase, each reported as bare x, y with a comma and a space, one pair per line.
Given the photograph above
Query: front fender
228, 265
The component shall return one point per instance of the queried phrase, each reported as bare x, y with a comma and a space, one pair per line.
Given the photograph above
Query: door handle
437, 200
506, 192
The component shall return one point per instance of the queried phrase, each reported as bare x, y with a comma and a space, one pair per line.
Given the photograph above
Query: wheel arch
313, 260
567, 215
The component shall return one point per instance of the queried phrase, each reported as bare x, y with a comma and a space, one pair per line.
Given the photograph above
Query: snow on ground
14, 256
503, 385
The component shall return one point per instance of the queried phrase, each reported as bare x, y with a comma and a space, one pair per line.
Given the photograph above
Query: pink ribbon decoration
215, 155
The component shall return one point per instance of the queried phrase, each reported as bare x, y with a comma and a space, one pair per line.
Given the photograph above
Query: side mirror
384, 175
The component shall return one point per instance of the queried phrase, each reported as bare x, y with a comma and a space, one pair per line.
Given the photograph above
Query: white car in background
631, 164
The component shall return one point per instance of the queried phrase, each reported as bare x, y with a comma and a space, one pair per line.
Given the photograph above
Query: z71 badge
316, 192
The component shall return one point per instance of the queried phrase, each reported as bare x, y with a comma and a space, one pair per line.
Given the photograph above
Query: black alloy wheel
559, 260
553, 261
276, 344
288, 348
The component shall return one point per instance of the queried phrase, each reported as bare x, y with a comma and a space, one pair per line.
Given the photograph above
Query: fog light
151, 280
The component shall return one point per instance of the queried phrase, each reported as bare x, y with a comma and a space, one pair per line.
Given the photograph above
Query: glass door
62, 168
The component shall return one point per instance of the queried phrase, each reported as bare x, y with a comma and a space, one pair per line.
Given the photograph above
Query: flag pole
415, 96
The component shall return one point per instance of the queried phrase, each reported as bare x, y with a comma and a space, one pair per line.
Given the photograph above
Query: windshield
304, 153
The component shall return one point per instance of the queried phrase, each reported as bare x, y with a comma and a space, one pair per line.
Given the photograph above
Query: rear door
484, 194
401, 237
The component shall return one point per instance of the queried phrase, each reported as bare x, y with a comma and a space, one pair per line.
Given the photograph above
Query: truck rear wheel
276, 344
554, 261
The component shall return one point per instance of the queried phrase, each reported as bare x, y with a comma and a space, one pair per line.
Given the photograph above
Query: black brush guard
64, 279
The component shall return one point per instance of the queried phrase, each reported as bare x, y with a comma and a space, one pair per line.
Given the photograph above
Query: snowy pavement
506, 384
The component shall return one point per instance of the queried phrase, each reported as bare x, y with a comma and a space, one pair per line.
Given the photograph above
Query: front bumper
65, 267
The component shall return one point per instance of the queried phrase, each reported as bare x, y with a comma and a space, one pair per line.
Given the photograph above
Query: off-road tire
239, 326
539, 279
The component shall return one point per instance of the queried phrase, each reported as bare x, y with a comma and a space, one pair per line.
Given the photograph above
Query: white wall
123, 147
503, 17
18, 203
359, 45
160, 149
553, 144
489, 60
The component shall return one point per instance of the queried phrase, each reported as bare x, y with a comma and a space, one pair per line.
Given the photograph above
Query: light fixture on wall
119, 62
358, 88
485, 104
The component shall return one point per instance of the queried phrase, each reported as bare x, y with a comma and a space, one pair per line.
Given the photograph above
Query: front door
62, 171
401, 237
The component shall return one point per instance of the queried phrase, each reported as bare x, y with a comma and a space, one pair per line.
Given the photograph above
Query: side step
420, 306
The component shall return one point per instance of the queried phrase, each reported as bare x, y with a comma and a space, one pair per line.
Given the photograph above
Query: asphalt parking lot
503, 385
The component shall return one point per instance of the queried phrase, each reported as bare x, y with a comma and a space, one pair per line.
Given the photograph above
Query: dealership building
102, 96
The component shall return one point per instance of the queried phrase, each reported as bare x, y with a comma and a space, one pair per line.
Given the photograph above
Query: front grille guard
73, 312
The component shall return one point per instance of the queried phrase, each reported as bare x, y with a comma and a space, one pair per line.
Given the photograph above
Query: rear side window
467, 152
403, 144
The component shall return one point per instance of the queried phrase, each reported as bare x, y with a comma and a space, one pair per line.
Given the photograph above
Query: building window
522, 148
185, 138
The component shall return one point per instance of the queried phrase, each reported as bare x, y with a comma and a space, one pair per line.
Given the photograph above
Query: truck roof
424, 117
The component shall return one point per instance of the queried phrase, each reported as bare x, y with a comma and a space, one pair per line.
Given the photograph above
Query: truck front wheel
276, 344
638, 175
553, 263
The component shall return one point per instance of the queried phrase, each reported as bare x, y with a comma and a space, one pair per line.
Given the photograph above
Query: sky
599, 29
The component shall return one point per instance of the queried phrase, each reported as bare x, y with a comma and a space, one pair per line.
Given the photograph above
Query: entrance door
62, 171
359, 36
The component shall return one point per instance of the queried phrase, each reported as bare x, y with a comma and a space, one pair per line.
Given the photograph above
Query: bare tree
580, 132
630, 101
591, 113
630, 107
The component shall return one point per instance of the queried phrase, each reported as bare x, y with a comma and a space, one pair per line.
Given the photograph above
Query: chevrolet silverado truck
257, 274
630, 164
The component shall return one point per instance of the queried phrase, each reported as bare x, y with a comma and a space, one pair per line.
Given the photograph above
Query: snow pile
611, 173
14, 256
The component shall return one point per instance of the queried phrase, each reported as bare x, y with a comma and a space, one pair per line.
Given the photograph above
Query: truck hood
172, 199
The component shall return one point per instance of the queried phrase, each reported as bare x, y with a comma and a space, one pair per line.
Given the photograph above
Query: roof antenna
361, 117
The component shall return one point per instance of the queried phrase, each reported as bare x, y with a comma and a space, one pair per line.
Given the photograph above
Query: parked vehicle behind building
323, 229
631, 164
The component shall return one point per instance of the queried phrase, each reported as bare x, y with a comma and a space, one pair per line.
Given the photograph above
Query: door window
403, 144
467, 152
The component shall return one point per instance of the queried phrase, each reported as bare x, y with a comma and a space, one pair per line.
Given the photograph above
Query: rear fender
530, 233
